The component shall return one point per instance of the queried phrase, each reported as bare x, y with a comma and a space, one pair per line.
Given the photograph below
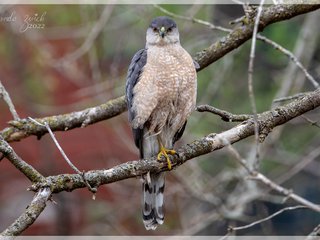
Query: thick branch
266, 121
32, 212
243, 33
24, 128
31, 173
68, 182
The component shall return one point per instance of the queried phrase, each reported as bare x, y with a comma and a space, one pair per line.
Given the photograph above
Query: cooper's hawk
161, 93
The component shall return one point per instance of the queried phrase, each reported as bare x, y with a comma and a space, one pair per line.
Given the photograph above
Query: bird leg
164, 152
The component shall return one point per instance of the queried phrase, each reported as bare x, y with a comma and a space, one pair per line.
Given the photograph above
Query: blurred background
78, 58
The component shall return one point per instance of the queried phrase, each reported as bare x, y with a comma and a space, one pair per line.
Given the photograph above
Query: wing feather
179, 133
134, 72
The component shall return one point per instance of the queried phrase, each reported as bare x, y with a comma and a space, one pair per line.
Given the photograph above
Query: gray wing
179, 133
137, 63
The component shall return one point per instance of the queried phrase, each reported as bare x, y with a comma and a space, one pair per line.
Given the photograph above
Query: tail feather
153, 186
153, 210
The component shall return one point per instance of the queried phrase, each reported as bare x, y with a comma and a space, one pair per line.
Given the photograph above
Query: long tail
153, 187
153, 208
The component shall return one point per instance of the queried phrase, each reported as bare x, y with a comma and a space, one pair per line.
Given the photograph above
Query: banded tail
153, 205
153, 186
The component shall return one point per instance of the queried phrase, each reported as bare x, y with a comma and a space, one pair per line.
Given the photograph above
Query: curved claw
164, 152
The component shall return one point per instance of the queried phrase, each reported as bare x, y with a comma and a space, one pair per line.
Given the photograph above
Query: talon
164, 152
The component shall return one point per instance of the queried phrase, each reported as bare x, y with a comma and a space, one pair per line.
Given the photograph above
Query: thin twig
288, 193
232, 229
93, 190
293, 97
195, 20
225, 116
260, 177
7, 99
250, 83
292, 57
313, 123
254, 175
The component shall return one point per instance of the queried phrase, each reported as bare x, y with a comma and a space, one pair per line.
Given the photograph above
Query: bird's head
162, 30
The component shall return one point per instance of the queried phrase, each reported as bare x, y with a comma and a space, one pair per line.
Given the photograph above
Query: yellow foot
164, 152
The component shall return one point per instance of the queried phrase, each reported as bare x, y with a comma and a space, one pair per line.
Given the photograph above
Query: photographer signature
34, 21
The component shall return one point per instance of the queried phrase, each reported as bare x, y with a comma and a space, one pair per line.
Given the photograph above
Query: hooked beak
162, 31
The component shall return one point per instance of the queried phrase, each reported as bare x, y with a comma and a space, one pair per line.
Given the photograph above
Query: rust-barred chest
171, 70
165, 93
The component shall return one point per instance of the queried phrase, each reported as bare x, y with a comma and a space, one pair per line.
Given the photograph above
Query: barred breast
166, 91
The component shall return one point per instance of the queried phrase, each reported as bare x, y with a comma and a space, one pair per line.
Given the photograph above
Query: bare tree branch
6, 97
255, 175
196, 20
24, 128
67, 182
283, 99
256, 147
64, 155
243, 33
225, 116
258, 36
32, 212
32, 174
286, 192
292, 57
266, 121
233, 229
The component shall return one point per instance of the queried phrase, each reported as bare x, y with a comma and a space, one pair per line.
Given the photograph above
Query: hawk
161, 93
